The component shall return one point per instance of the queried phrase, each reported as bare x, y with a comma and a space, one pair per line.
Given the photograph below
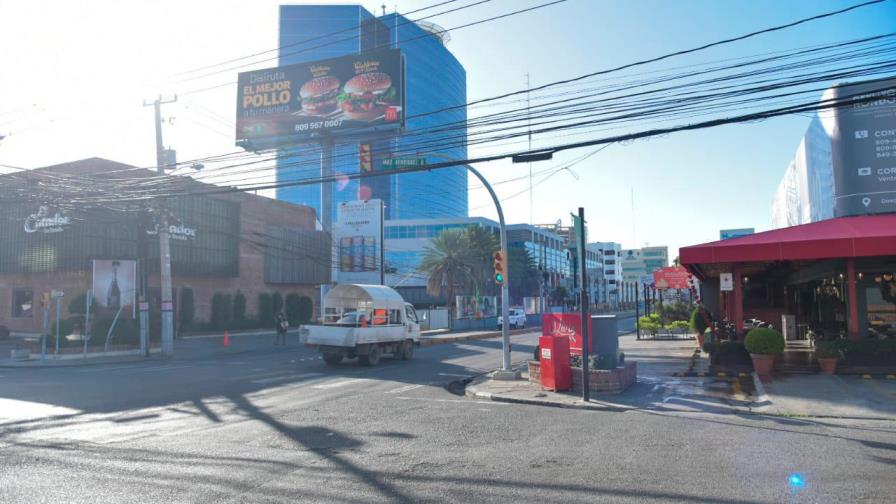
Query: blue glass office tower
435, 80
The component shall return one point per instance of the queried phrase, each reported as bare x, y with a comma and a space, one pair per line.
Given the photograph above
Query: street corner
523, 391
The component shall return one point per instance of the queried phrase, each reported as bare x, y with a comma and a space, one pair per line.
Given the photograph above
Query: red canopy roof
861, 236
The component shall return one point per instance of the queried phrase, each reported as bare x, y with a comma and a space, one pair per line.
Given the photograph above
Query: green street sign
392, 163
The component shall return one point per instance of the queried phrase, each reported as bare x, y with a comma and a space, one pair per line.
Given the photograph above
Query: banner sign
357, 234
863, 147
476, 307
347, 95
672, 277
726, 282
115, 284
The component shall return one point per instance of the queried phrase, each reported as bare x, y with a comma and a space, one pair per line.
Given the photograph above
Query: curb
535, 402
425, 342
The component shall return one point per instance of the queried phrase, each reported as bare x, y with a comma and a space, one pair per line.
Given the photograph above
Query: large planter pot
763, 364
828, 365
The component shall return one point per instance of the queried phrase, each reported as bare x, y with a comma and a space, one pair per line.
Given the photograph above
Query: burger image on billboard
366, 96
318, 96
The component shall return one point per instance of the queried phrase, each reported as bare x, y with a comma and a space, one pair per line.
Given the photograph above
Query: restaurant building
221, 243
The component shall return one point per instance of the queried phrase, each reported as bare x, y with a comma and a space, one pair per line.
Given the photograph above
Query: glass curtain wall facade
806, 192
434, 80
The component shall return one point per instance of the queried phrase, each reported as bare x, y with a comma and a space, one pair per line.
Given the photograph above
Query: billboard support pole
327, 151
164, 243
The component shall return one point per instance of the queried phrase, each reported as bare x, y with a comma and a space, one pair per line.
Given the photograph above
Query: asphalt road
280, 426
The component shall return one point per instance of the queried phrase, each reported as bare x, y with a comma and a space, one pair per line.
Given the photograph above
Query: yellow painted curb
866, 376
721, 375
891, 376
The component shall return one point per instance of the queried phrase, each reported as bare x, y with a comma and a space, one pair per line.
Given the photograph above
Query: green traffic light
499, 278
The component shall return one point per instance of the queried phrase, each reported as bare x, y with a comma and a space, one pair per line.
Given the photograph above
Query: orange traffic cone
226, 339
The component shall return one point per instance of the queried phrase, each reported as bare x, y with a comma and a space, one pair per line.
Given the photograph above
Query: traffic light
500, 267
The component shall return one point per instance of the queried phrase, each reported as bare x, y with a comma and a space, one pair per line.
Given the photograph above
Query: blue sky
89, 67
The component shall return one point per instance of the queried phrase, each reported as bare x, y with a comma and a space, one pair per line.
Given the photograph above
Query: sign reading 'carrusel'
568, 325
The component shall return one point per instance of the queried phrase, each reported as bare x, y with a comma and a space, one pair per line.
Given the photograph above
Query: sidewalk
212, 345
672, 379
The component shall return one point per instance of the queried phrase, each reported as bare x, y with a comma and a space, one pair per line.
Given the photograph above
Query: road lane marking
287, 377
456, 375
338, 383
406, 388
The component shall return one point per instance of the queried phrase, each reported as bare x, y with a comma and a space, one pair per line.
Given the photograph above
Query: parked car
516, 319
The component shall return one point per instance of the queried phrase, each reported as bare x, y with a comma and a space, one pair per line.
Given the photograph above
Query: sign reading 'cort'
175, 232
43, 222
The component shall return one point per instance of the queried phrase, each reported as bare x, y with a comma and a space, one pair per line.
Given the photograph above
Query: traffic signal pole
506, 372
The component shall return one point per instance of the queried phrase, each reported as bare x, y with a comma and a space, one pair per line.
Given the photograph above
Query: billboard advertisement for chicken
344, 96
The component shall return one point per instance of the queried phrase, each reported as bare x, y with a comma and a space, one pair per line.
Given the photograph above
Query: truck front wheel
372, 358
407, 349
332, 358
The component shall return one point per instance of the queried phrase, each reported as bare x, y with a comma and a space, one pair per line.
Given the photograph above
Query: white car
516, 319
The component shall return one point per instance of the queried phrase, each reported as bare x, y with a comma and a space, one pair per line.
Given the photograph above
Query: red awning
843, 237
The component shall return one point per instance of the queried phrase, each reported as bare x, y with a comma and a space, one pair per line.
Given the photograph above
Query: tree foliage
446, 263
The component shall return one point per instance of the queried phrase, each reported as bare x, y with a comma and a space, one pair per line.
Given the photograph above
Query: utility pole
164, 243
583, 303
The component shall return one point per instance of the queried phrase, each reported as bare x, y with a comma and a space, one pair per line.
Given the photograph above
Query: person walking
282, 326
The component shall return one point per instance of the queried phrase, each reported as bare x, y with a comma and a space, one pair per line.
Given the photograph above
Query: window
394, 317
22, 303
411, 314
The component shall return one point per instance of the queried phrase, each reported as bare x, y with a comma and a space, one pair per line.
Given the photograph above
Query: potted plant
828, 353
764, 344
700, 321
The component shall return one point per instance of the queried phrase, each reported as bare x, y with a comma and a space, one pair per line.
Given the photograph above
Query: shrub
698, 323
187, 309
78, 304
221, 310
292, 308
277, 302
239, 307
306, 309
765, 341
265, 310
126, 332
831, 349
724, 348
681, 325
603, 361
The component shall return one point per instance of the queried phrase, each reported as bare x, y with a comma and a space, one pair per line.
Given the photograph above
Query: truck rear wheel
407, 349
373, 356
332, 358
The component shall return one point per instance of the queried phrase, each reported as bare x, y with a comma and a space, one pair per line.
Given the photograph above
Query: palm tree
446, 264
482, 244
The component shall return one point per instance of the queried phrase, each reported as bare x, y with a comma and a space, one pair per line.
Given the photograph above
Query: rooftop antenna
384, 9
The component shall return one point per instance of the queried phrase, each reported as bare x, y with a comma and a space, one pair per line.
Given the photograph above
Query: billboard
358, 239
864, 148
115, 285
672, 277
341, 96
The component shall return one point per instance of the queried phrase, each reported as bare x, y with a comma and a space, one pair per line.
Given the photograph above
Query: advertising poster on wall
357, 237
864, 148
347, 95
476, 307
115, 285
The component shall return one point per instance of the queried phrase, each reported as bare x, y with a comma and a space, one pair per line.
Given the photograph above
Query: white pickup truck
516, 319
363, 321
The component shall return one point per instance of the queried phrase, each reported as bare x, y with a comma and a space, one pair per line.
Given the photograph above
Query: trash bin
556, 374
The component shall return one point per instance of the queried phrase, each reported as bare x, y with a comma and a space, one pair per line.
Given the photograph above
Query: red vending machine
556, 374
